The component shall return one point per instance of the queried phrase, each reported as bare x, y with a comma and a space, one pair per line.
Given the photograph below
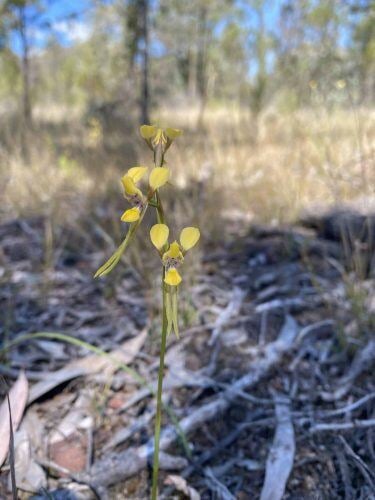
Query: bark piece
281, 456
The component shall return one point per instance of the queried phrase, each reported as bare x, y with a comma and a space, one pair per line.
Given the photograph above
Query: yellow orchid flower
158, 177
151, 131
133, 194
159, 140
173, 257
131, 178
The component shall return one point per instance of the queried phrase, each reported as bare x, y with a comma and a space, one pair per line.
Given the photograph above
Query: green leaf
112, 262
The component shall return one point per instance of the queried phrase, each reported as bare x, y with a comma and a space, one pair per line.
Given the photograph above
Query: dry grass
268, 171
295, 161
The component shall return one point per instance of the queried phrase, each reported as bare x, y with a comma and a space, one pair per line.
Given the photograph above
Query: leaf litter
283, 338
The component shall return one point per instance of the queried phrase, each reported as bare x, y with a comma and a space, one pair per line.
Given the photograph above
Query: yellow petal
136, 173
159, 235
148, 131
129, 186
158, 177
172, 277
174, 250
189, 237
173, 133
131, 215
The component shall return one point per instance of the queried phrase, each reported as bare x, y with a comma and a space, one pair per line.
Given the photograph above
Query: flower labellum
172, 277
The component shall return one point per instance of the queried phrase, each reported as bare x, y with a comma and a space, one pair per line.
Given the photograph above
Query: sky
68, 20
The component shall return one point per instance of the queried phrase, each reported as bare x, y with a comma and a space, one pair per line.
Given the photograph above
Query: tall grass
268, 171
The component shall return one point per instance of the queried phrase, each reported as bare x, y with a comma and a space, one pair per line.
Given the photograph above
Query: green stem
159, 403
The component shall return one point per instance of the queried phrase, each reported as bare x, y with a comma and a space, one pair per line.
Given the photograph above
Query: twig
219, 489
361, 465
343, 426
281, 456
231, 310
347, 408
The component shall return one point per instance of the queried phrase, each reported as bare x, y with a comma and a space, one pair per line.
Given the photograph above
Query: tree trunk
26, 101
202, 63
145, 91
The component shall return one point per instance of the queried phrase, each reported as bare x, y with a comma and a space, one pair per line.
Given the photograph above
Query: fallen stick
232, 309
281, 456
364, 360
343, 426
119, 466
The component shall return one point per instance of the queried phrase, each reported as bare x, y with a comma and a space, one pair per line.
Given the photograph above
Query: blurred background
275, 98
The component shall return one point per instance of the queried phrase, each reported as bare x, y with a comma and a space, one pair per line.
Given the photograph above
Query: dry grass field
267, 170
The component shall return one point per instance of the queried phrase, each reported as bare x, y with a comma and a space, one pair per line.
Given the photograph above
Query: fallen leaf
181, 485
18, 398
89, 365
29, 474
70, 453
78, 417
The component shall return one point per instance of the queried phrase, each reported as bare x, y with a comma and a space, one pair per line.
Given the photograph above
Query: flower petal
174, 250
189, 237
129, 185
173, 133
172, 277
131, 215
148, 131
158, 177
136, 173
159, 235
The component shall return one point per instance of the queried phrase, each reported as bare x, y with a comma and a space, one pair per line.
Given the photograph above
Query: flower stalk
171, 254
159, 395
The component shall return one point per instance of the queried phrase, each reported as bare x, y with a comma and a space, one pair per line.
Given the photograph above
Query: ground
234, 304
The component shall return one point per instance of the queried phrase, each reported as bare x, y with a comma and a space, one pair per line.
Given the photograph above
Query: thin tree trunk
26, 101
202, 62
192, 74
145, 91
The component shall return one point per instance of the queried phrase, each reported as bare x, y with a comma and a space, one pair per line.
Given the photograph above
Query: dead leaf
181, 485
78, 418
29, 474
90, 365
18, 398
70, 453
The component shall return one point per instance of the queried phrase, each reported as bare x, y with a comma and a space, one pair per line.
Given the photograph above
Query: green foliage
217, 50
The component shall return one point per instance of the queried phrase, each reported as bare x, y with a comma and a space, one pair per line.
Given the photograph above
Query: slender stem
159, 404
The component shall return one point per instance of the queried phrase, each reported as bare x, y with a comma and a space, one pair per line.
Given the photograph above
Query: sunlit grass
269, 171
